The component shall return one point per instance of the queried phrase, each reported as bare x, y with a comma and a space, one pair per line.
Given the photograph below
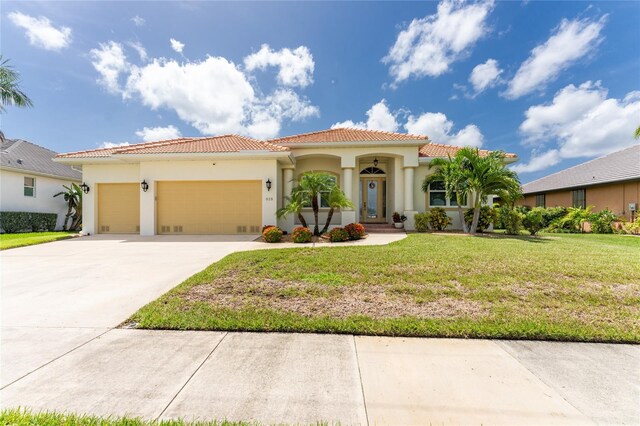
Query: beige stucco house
233, 184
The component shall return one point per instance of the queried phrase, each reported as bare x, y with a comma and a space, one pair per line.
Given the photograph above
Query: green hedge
11, 222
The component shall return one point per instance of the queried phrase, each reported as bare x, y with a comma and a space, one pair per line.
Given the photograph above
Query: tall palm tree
486, 176
335, 199
449, 170
10, 93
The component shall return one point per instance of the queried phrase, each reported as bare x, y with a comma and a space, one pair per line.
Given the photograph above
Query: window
540, 200
372, 171
579, 198
29, 187
438, 196
324, 196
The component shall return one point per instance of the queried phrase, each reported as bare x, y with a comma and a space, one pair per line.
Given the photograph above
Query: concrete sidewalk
302, 378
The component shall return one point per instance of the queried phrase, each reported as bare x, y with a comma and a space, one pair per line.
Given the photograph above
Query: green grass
19, 417
554, 287
8, 241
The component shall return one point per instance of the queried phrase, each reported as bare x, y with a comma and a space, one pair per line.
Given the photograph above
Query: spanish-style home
609, 182
234, 184
29, 178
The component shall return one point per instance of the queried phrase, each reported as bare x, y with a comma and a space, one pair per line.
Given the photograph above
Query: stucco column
348, 214
287, 176
408, 188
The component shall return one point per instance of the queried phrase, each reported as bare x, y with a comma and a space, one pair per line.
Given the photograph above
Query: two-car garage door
209, 207
184, 207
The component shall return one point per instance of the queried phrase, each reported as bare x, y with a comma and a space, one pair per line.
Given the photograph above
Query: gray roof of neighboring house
615, 167
23, 155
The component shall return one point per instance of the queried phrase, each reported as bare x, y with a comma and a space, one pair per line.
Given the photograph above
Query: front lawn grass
19, 417
554, 287
8, 241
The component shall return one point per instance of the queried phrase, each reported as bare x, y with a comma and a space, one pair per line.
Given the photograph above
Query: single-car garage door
209, 207
118, 208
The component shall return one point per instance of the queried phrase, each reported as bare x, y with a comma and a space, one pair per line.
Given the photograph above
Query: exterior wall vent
177, 228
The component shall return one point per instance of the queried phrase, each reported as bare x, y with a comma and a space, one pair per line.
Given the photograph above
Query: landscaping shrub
12, 222
355, 230
302, 235
509, 219
264, 228
43, 221
421, 221
272, 234
552, 214
438, 219
533, 221
487, 217
572, 221
337, 235
601, 222
632, 227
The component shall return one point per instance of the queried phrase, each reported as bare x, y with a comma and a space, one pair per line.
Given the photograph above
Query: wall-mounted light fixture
375, 162
268, 184
144, 185
85, 188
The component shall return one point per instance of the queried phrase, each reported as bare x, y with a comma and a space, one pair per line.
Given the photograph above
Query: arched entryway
373, 194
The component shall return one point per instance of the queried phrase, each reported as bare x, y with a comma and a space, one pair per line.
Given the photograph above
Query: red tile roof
442, 150
217, 144
347, 135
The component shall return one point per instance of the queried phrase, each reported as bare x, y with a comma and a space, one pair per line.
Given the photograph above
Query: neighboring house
29, 178
611, 182
234, 184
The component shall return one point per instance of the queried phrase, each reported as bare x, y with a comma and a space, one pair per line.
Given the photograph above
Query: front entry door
373, 195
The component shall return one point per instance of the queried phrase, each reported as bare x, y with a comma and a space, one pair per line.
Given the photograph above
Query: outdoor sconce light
85, 188
144, 185
375, 162
268, 183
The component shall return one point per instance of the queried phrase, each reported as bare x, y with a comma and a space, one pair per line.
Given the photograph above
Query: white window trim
448, 204
24, 185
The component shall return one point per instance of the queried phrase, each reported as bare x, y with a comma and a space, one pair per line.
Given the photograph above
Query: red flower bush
272, 234
301, 235
338, 235
355, 230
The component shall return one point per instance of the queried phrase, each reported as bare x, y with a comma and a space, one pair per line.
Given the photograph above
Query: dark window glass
540, 200
579, 198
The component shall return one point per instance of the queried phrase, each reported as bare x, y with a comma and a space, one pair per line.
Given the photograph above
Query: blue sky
557, 83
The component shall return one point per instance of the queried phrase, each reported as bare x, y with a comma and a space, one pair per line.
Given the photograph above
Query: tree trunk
314, 204
66, 218
326, 225
462, 221
301, 219
77, 219
476, 214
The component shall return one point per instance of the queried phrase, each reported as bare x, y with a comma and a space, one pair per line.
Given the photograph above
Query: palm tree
335, 199
637, 133
450, 172
486, 176
71, 197
10, 93
294, 206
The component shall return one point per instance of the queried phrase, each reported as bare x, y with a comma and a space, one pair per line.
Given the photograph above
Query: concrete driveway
60, 295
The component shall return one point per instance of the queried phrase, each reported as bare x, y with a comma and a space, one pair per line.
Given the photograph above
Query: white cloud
176, 45
580, 122
538, 162
138, 47
484, 76
379, 117
439, 128
138, 21
295, 67
213, 95
430, 45
150, 134
570, 41
41, 32
110, 62
113, 144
